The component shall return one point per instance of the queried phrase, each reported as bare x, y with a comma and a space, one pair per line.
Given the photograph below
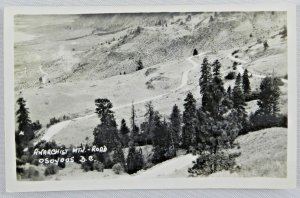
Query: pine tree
134, 160
25, 131
139, 65
217, 89
124, 133
269, 96
205, 85
267, 114
229, 91
195, 52
205, 76
118, 156
149, 123
239, 104
106, 133
237, 95
246, 83
161, 141
134, 128
189, 121
175, 127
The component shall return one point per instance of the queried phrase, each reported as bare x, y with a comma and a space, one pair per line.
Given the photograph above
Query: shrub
261, 121
230, 76
36, 125
51, 170
118, 168
234, 52
234, 65
52, 121
98, 166
87, 166
31, 173
209, 163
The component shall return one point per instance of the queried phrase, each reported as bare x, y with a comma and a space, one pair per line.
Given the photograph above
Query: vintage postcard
161, 97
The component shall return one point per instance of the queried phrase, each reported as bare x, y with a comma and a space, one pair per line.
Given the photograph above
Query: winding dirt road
56, 128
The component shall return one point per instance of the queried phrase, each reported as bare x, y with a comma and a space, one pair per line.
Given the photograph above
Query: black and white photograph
164, 95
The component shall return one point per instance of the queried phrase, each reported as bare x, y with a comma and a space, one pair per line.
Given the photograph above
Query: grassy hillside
91, 47
264, 154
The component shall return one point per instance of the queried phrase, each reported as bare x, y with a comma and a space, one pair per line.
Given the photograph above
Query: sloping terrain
93, 47
264, 154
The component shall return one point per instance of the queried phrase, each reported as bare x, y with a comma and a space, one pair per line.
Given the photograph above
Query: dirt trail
240, 68
56, 128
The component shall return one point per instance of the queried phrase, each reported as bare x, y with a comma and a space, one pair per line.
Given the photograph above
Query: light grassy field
263, 154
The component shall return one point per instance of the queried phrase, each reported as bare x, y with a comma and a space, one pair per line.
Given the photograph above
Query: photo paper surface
150, 97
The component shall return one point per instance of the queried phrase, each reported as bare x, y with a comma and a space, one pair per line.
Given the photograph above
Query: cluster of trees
206, 130
222, 117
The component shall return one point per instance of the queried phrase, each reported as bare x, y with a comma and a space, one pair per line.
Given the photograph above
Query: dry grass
264, 153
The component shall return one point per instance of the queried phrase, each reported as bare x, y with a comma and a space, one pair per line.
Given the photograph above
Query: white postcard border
12, 185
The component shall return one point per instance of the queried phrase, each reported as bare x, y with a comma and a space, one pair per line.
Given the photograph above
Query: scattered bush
258, 122
55, 120
139, 65
230, 76
31, 173
234, 65
209, 163
98, 166
52, 169
36, 125
52, 121
150, 71
87, 166
266, 45
234, 52
118, 168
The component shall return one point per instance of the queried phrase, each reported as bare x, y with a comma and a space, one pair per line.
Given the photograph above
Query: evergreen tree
205, 85
195, 52
246, 83
118, 156
269, 96
134, 128
106, 133
160, 140
124, 133
229, 91
234, 65
267, 114
189, 121
239, 104
134, 160
175, 127
139, 65
149, 123
205, 76
266, 45
217, 89
24, 122
237, 95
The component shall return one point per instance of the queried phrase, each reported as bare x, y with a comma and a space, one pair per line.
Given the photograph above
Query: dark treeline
206, 128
